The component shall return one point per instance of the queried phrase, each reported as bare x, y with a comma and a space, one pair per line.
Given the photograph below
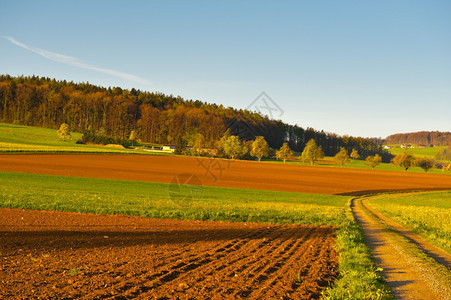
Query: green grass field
359, 164
427, 152
148, 199
427, 214
358, 276
17, 139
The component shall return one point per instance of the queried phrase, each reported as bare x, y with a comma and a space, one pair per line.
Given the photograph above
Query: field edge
359, 277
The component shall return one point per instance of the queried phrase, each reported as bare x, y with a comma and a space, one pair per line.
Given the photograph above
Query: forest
155, 117
428, 138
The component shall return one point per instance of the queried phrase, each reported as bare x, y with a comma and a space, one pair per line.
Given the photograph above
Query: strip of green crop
427, 214
160, 200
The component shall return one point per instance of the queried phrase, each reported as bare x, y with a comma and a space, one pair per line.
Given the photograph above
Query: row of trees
436, 138
154, 117
232, 147
406, 161
312, 153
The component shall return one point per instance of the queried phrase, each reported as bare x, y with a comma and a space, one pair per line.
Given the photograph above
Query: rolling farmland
293, 254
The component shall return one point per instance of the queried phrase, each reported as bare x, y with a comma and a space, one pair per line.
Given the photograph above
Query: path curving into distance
406, 275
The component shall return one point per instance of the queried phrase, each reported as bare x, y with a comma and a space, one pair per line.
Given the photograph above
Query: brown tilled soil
64, 255
216, 172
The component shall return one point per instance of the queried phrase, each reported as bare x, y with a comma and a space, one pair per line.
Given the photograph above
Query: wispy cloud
72, 61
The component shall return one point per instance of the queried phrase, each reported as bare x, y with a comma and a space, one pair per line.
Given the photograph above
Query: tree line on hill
428, 138
112, 114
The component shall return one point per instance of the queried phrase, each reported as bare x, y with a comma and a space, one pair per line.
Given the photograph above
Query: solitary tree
373, 161
312, 152
260, 148
284, 152
355, 154
64, 132
424, 163
404, 160
133, 137
342, 157
447, 168
233, 147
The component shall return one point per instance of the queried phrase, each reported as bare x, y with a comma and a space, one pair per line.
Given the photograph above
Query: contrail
72, 61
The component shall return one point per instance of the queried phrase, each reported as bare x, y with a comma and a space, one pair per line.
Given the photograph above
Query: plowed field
65, 255
215, 172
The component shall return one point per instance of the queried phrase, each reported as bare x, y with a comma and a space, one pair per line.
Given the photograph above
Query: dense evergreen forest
436, 138
155, 117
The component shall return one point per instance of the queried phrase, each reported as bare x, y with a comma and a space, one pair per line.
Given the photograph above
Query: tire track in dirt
406, 275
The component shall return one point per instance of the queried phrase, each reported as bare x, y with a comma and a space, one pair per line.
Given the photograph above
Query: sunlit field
358, 277
428, 214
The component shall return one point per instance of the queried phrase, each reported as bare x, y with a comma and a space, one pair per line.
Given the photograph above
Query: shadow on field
64, 239
381, 191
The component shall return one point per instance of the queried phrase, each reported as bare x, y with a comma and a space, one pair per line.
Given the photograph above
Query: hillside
435, 138
157, 118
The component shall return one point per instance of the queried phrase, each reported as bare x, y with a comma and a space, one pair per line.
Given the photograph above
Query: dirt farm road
407, 276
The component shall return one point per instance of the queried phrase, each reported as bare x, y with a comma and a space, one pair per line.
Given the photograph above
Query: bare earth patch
240, 174
47, 254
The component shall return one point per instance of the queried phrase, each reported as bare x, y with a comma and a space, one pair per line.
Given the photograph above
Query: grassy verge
359, 278
430, 268
427, 214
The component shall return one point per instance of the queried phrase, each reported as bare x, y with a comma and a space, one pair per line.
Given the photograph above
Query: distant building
168, 148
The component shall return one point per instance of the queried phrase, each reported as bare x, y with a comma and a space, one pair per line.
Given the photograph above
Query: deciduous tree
404, 160
260, 148
180, 145
233, 147
355, 154
342, 157
312, 152
373, 161
284, 152
133, 137
425, 163
64, 132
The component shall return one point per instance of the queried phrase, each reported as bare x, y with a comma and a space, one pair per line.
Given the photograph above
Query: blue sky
363, 68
